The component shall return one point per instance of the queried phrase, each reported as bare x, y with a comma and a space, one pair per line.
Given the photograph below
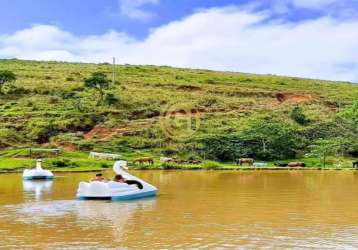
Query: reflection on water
114, 215
36, 188
206, 210
111, 218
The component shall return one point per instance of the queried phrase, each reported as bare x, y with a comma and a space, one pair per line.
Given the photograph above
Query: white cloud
219, 38
134, 9
331, 7
313, 4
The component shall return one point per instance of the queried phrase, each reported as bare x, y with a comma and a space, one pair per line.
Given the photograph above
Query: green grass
18, 159
49, 99
79, 161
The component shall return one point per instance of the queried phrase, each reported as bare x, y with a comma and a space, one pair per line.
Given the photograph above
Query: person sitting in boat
99, 177
119, 178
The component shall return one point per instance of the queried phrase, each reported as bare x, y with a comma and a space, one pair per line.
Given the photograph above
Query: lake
194, 210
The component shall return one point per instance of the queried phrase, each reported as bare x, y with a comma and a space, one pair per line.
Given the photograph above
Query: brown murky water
194, 210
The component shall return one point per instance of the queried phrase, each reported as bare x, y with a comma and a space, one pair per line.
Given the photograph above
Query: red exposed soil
67, 146
104, 133
136, 126
284, 97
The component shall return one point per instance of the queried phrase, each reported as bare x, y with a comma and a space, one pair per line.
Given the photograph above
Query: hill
186, 113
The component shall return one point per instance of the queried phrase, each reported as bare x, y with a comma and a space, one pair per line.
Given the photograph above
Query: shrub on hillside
41, 131
210, 81
169, 151
351, 113
68, 137
208, 101
85, 146
14, 90
6, 76
298, 116
54, 100
9, 137
70, 79
323, 129
111, 100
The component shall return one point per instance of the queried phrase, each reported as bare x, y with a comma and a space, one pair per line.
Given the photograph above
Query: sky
304, 38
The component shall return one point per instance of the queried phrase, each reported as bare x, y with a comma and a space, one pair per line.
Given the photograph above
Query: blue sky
97, 16
212, 34
89, 17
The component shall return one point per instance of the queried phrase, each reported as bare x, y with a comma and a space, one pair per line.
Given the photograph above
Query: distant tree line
268, 139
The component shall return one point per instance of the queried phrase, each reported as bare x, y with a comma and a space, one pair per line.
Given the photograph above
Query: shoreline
194, 169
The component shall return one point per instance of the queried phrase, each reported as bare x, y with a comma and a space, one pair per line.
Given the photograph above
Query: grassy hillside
164, 111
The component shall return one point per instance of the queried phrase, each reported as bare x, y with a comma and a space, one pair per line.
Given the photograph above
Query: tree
324, 148
269, 139
263, 139
99, 82
6, 76
223, 147
351, 114
348, 122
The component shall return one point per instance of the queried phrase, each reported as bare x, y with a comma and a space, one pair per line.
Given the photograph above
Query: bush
169, 151
193, 157
170, 165
351, 113
211, 165
14, 90
105, 165
9, 135
68, 94
68, 137
352, 149
85, 146
298, 116
54, 100
62, 163
77, 123
111, 100
208, 101
210, 81
41, 131
6, 76
70, 79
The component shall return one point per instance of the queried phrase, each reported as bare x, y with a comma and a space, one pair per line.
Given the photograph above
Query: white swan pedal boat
38, 173
114, 190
